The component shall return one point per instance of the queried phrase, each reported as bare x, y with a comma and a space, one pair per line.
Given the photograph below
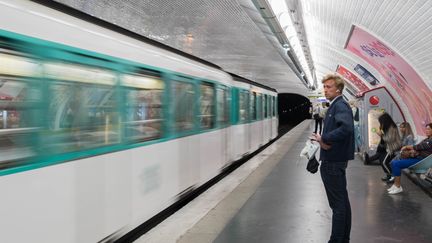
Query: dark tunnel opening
293, 109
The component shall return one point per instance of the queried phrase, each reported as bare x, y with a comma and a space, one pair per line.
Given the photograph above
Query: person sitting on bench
410, 155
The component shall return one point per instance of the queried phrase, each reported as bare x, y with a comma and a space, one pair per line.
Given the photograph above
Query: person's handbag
309, 152
312, 165
405, 154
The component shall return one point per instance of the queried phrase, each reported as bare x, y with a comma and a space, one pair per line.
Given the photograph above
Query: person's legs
385, 164
320, 120
334, 178
397, 181
316, 125
357, 137
398, 165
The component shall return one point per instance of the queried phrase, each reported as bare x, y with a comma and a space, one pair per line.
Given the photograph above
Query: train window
183, 95
207, 107
143, 106
223, 106
270, 106
265, 106
259, 107
81, 114
253, 106
270, 112
20, 105
243, 106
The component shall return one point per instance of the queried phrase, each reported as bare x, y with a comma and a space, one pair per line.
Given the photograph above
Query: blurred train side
122, 161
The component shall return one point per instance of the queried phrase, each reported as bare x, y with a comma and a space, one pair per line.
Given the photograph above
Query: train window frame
253, 106
174, 130
259, 107
223, 117
21, 128
149, 88
244, 105
203, 116
88, 132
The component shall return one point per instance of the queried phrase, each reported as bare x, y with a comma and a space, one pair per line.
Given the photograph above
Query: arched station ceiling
233, 34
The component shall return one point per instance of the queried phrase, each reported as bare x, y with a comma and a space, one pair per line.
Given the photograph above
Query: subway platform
272, 198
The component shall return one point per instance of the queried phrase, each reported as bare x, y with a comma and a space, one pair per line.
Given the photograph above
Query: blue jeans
398, 165
357, 137
334, 178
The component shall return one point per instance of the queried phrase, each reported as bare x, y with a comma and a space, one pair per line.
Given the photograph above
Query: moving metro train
101, 131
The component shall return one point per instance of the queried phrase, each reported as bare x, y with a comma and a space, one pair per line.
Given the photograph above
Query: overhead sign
363, 72
397, 72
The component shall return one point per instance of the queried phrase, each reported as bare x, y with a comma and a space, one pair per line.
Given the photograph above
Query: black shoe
366, 159
386, 178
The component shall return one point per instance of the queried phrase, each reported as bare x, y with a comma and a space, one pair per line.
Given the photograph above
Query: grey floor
291, 206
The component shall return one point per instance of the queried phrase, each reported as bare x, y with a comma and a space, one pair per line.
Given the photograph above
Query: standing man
337, 147
317, 117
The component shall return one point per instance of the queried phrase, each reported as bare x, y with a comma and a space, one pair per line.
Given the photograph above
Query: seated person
407, 136
416, 153
389, 133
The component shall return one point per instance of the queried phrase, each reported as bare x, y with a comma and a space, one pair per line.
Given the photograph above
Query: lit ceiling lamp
280, 9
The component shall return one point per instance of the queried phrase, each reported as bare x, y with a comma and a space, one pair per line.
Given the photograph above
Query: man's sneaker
396, 190
391, 188
391, 179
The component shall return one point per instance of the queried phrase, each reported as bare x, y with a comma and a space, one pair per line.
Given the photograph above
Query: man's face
330, 90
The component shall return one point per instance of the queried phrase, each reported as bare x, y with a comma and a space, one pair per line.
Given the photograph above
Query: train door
374, 103
183, 96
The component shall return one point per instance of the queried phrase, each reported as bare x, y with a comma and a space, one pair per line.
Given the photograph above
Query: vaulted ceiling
233, 34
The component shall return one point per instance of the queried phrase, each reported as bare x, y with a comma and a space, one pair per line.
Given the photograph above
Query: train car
101, 131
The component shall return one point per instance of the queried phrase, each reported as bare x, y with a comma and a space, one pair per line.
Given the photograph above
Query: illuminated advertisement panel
352, 78
397, 72
366, 74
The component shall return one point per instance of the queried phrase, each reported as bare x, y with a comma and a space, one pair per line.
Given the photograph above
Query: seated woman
389, 133
407, 136
417, 153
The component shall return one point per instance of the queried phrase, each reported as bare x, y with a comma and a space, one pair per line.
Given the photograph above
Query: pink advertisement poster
404, 79
352, 78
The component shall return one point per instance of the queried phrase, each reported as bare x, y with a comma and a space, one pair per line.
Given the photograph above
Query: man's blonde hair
339, 81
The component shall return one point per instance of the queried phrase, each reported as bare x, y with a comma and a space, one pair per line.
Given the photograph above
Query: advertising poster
352, 78
363, 72
397, 72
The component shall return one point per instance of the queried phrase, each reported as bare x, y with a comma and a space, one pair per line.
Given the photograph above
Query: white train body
90, 194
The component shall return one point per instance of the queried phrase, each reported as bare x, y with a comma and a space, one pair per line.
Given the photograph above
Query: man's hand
317, 137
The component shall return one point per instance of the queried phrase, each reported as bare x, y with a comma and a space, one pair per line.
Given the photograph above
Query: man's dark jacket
338, 132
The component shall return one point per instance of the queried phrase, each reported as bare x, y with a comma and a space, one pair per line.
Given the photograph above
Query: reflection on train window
270, 111
260, 106
143, 107
243, 106
253, 106
81, 114
274, 106
20, 100
207, 107
182, 105
223, 106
